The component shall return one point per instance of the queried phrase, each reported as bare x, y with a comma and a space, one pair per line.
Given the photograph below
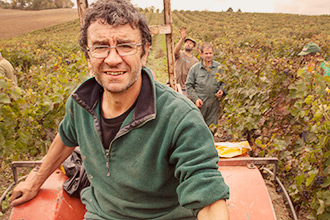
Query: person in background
313, 51
7, 70
202, 86
185, 59
145, 154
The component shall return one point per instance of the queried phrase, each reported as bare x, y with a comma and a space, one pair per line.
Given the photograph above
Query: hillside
17, 22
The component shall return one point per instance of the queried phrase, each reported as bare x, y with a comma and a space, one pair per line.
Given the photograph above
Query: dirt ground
17, 22
281, 210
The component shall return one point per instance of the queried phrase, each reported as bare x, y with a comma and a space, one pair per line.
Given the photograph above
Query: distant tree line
4, 4
231, 10
37, 4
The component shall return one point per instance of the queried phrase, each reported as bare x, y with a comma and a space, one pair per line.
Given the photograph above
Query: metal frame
27, 164
250, 162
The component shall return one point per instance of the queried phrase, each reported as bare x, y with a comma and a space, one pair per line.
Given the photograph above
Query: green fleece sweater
162, 163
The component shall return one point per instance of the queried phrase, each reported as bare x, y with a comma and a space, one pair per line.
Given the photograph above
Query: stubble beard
124, 87
188, 49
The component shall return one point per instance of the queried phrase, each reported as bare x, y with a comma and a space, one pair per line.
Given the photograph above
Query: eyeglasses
102, 51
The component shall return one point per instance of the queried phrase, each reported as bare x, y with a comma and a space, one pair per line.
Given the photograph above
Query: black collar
89, 94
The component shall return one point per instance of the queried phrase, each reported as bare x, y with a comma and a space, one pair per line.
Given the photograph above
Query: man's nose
113, 57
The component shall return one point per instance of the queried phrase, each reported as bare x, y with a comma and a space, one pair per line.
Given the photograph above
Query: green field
274, 102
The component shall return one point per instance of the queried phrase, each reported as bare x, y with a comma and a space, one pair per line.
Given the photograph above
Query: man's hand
217, 211
199, 103
219, 94
27, 190
183, 32
23, 192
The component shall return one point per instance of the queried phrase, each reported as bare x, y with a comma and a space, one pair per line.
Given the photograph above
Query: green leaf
318, 115
311, 216
320, 210
326, 196
3, 83
311, 177
309, 99
4, 98
300, 179
16, 92
326, 184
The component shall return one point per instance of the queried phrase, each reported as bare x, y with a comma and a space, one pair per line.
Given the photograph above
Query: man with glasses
138, 138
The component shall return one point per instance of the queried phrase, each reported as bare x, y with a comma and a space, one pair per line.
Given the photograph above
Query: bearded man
184, 60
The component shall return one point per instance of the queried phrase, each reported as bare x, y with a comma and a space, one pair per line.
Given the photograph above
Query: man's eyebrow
124, 41
118, 41
99, 42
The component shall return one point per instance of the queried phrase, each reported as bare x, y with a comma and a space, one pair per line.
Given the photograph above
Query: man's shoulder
197, 65
5, 62
88, 92
167, 96
179, 55
188, 56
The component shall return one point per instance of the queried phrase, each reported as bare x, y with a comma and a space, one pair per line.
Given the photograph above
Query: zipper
108, 151
107, 163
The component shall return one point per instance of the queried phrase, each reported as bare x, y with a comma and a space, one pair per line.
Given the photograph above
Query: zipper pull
107, 154
108, 170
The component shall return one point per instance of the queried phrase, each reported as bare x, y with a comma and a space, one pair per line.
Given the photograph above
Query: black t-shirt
110, 126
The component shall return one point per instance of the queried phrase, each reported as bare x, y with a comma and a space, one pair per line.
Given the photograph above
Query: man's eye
125, 46
100, 48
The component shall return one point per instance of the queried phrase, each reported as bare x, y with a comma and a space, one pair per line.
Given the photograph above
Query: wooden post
169, 44
82, 5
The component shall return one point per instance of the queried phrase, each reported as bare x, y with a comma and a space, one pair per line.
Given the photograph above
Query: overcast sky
306, 7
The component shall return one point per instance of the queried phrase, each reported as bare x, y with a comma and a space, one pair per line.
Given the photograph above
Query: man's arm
190, 85
183, 33
217, 211
25, 191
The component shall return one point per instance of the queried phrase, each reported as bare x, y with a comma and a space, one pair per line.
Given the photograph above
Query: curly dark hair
115, 13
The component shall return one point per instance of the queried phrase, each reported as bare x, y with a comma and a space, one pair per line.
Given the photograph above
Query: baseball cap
310, 48
190, 40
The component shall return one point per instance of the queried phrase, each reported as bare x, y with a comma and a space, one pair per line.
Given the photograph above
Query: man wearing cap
184, 60
311, 50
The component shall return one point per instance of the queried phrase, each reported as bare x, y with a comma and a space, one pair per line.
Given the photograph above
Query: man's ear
145, 56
